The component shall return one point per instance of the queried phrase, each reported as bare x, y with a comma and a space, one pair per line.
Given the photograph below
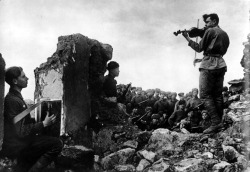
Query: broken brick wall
2, 68
75, 75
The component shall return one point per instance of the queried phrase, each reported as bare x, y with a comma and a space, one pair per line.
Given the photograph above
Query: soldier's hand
120, 106
49, 120
185, 34
197, 61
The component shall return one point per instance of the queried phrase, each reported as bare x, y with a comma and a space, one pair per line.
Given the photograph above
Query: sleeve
203, 45
155, 107
176, 106
29, 127
188, 105
171, 119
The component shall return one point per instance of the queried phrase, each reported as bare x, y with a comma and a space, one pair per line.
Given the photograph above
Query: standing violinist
214, 45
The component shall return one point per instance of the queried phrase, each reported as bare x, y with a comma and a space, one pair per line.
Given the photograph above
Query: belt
213, 55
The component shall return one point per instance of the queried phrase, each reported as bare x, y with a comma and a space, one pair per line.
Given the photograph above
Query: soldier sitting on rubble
188, 96
225, 95
181, 96
109, 109
190, 124
144, 121
151, 100
177, 116
109, 84
206, 121
21, 139
186, 122
172, 102
194, 104
161, 106
137, 102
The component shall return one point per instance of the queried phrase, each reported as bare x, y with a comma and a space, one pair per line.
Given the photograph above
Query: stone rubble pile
164, 150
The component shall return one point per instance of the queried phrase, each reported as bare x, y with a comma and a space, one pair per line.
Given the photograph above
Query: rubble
165, 150
75, 158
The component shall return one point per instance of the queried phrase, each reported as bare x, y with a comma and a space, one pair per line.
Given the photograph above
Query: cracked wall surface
2, 68
75, 75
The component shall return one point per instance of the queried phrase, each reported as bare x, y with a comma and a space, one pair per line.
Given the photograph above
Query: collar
16, 93
110, 76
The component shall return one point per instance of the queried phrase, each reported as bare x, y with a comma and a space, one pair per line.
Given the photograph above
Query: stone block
73, 75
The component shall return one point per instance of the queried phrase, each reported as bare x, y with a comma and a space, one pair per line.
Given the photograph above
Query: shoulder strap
26, 112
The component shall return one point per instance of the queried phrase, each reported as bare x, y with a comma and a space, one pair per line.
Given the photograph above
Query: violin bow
196, 42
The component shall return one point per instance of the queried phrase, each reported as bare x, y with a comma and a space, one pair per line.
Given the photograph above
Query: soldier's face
116, 72
181, 107
204, 116
210, 23
21, 81
195, 93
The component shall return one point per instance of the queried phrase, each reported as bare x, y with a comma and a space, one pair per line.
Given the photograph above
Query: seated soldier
192, 105
190, 124
151, 100
22, 139
137, 102
188, 96
181, 96
186, 122
177, 116
172, 102
161, 106
206, 121
109, 109
144, 122
109, 84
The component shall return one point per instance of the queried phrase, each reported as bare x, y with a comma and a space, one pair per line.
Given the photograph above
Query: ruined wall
74, 74
245, 62
2, 68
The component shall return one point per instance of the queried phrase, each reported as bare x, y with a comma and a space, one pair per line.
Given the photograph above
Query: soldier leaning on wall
22, 140
109, 108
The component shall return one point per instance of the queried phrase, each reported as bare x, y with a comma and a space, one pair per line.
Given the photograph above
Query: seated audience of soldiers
155, 108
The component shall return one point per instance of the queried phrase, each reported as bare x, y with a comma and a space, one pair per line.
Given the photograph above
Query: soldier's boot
215, 117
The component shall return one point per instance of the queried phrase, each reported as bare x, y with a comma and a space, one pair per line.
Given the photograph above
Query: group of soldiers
154, 108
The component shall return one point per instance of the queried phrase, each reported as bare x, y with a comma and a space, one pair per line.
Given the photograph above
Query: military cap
155, 116
112, 65
174, 93
150, 93
203, 111
181, 94
225, 88
195, 89
158, 90
168, 93
139, 88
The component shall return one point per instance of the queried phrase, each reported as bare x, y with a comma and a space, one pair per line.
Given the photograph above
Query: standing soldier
214, 45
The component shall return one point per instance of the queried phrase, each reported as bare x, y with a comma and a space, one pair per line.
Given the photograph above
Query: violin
193, 32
